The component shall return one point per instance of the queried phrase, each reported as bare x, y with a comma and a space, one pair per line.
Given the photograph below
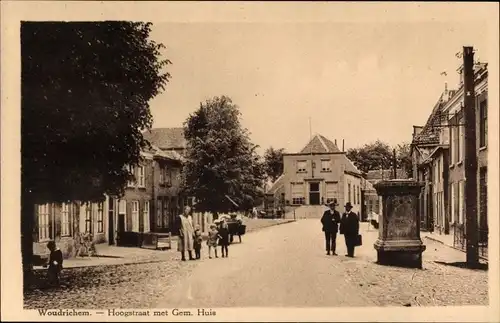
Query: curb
452, 247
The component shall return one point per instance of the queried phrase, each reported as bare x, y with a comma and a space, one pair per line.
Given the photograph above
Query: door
111, 226
314, 194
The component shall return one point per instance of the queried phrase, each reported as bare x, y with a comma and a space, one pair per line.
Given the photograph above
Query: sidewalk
445, 239
112, 255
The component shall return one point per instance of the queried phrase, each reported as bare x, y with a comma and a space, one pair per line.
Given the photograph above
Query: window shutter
128, 217
57, 220
140, 215
36, 226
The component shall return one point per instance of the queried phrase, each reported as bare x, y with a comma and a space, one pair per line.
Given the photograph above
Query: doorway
314, 194
111, 225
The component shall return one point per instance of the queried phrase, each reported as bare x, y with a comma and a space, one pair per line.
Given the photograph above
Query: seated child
212, 240
198, 239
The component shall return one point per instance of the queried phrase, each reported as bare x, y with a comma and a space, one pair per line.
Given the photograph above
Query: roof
166, 138
276, 185
434, 151
350, 167
430, 132
320, 144
378, 175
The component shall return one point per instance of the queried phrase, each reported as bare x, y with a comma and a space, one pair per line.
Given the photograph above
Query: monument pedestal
399, 241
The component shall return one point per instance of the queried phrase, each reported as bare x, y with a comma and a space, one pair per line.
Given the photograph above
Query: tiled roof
276, 185
350, 167
320, 144
166, 138
430, 132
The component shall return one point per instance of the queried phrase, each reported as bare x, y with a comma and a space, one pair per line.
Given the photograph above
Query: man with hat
330, 221
349, 227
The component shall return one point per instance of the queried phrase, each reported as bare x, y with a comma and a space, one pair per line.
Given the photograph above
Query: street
282, 265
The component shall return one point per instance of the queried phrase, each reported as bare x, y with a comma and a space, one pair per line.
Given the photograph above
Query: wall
355, 184
291, 175
168, 193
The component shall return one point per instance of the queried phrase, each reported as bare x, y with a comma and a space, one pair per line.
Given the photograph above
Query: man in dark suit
349, 227
330, 221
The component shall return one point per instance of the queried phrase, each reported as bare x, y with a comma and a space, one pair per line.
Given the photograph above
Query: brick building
317, 174
438, 158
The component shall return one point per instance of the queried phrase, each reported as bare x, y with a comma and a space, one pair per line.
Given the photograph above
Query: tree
404, 159
220, 159
273, 162
85, 89
371, 156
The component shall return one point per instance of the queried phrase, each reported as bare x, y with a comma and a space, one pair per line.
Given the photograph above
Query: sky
357, 82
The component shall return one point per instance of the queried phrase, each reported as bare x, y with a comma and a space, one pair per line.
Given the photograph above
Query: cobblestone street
280, 266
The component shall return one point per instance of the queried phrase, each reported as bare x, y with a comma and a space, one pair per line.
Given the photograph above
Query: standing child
55, 263
224, 238
198, 239
212, 240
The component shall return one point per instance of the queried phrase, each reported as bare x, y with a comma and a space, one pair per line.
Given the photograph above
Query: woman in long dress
186, 234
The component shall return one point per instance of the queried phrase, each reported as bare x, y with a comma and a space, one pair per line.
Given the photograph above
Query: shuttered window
331, 192
298, 197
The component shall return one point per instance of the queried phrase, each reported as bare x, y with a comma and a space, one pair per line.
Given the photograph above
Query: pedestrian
254, 212
198, 240
186, 234
55, 263
223, 236
349, 227
212, 240
330, 221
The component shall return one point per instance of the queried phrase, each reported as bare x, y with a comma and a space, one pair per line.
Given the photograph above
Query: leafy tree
85, 89
371, 156
404, 159
273, 162
220, 159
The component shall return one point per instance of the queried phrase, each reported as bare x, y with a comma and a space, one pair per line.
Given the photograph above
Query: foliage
85, 93
273, 162
220, 158
85, 88
371, 156
404, 159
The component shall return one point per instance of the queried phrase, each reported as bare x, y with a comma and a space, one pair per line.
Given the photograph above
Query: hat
333, 203
348, 204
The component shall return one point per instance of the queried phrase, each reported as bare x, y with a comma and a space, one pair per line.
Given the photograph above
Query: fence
460, 239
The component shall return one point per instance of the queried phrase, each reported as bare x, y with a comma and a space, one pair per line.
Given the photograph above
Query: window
168, 176
298, 194
65, 220
461, 143
88, 218
453, 197
141, 177
348, 192
162, 175
166, 205
461, 202
135, 216
483, 124
44, 232
100, 217
145, 213
301, 166
325, 165
131, 183
359, 195
331, 192
159, 213
452, 149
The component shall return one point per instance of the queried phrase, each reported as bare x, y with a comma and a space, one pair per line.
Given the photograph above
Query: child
55, 263
212, 240
198, 239
224, 238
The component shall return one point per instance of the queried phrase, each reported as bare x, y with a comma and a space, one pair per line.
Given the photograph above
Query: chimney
335, 142
342, 145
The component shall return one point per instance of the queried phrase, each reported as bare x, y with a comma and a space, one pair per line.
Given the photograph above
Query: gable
319, 144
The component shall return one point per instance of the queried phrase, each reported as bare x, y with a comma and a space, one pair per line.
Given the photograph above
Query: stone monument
399, 240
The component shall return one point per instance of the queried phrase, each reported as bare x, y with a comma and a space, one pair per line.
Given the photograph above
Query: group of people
348, 225
191, 239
